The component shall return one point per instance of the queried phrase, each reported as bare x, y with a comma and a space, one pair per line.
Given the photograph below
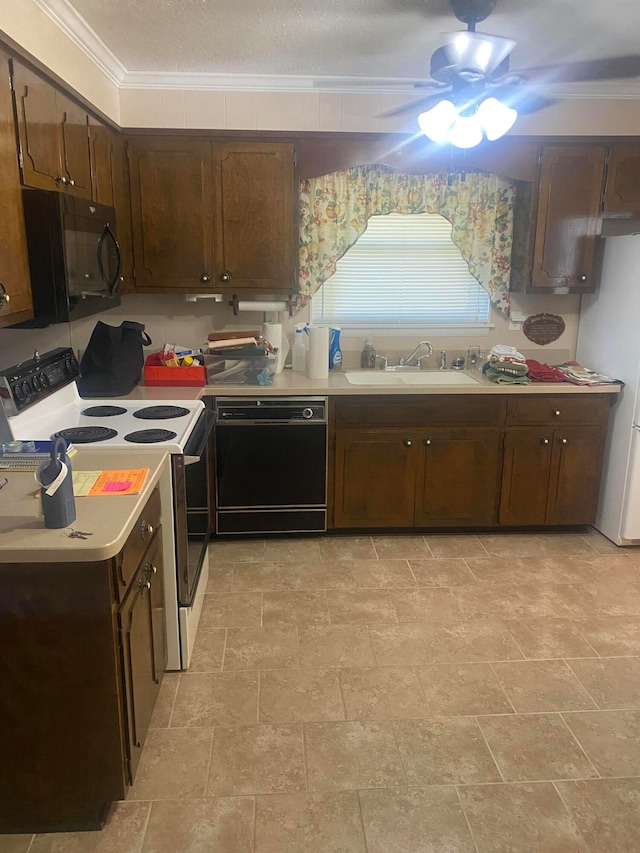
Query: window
403, 272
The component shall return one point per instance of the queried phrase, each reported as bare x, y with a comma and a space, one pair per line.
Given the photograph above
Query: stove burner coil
158, 413
86, 434
150, 436
103, 411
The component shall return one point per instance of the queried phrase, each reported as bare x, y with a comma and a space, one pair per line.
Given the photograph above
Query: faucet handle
383, 360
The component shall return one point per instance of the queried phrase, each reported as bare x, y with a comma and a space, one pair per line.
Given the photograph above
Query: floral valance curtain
335, 209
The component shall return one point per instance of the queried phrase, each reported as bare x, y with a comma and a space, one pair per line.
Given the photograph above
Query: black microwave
74, 257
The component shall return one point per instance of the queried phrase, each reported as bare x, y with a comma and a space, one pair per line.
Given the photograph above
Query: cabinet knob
205, 278
146, 529
4, 296
556, 413
564, 440
407, 442
427, 442
225, 276
544, 439
61, 179
581, 277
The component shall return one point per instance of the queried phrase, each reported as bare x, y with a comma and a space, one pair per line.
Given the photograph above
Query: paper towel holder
269, 307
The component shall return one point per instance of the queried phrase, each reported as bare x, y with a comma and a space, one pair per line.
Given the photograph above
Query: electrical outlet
516, 319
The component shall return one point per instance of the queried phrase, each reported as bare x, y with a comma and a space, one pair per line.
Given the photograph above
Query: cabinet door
567, 223
172, 211
255, 216
525, 475
14, 264
102, 155
154, 571
575, 475
622, 194
375, 475
75, 146
458, 481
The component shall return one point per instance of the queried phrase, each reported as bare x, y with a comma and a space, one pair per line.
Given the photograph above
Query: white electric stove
40, 399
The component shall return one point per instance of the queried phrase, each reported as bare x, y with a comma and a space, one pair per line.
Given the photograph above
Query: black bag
113, 360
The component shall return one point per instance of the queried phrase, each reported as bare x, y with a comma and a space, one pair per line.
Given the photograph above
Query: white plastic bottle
299, 351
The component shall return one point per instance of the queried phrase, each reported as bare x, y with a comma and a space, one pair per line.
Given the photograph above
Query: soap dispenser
368, 355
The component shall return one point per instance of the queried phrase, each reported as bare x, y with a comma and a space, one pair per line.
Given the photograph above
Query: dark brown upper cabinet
14, 264
53, 136
213, 216
557, 233
622, 191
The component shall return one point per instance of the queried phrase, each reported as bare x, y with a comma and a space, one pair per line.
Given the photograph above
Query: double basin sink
418, 377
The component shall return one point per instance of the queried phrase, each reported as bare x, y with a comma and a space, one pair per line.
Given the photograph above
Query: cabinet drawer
559, 410
129, 558
446, 410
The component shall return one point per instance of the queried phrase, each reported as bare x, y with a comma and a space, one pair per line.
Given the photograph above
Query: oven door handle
198, 439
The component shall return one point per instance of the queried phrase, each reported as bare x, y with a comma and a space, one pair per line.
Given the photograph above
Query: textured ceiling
345, 38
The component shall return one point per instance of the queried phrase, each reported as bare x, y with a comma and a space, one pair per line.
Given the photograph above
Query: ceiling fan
477, 96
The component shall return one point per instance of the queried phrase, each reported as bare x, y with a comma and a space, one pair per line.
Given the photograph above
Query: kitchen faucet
406, 362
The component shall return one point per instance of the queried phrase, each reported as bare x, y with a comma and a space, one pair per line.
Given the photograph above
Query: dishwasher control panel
271, 409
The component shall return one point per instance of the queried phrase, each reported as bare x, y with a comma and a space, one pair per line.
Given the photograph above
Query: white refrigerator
609, 342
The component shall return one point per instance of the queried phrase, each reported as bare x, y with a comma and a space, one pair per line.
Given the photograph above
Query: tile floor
395, 694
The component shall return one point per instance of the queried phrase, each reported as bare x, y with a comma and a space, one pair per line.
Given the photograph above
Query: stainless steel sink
419, 377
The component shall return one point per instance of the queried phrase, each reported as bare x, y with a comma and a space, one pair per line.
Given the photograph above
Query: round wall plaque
543, 328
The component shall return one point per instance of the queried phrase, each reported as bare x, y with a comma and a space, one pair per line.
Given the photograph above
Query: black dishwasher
271, 465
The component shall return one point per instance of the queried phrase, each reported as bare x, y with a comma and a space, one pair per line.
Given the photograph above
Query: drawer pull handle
407, 442
146, 529
427, 442
557, 413
564, 441
544, 439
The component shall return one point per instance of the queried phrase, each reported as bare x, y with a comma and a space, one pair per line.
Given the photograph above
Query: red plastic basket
155, 373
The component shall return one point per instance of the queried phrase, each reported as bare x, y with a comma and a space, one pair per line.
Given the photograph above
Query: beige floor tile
620, 567
475, 640
335, 645
462, 689
231, 610
444, 546
548, 637
18, 843
208, 650
420, 819
535, 747
173, 765
518, 601
612, 635
319, 575
522, 818
261, 648
207, 699
296, 696
382, 574
256, 760
164, 703
535, 544
363, 606
527, 570
408, 644
383, 693
292, 550
612, 682
611, 739
542, 685
611, 597
352, 755
442, 572
257, 577
334, 548
606, 812
220, 578
124, 830
401, 547
223, 825
448, 750
314, 823
295, 608
602, 545
425, 605
241, 551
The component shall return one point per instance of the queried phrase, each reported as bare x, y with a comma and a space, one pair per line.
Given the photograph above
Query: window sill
478, 330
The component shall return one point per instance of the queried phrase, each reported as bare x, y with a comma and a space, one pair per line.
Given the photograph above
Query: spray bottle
335, 353
299, 351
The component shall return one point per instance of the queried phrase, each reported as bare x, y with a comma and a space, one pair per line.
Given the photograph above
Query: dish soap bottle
299, 351
335, 353
368, 354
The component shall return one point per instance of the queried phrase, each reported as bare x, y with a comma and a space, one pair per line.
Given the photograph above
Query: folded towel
505, 379
502, 351
544, 372
579, 375
511, 368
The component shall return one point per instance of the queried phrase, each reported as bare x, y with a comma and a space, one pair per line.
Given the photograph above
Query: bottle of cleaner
299, 351
335, 353
368, 354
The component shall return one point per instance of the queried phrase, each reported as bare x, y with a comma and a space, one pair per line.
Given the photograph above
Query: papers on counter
120, 482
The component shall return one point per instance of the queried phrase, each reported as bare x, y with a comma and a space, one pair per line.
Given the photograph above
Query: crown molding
74, 26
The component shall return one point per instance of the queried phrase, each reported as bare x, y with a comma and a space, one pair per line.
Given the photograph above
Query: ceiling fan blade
418, 106
612, 68
520, 98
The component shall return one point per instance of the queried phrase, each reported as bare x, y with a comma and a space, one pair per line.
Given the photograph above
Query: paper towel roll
318, 352
244, 305
272, 332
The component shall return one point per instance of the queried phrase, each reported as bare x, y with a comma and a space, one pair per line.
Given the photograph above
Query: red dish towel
544, 372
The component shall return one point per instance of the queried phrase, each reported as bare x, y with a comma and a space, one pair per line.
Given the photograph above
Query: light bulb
496, 118
466, 132
436, 122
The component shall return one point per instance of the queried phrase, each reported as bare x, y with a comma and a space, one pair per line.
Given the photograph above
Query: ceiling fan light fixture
436, 122
466, 132
496, 118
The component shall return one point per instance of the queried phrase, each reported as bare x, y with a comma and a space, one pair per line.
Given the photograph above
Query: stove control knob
37, 386
44, 380
307, 413
18, 393
69, 366
25, 388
